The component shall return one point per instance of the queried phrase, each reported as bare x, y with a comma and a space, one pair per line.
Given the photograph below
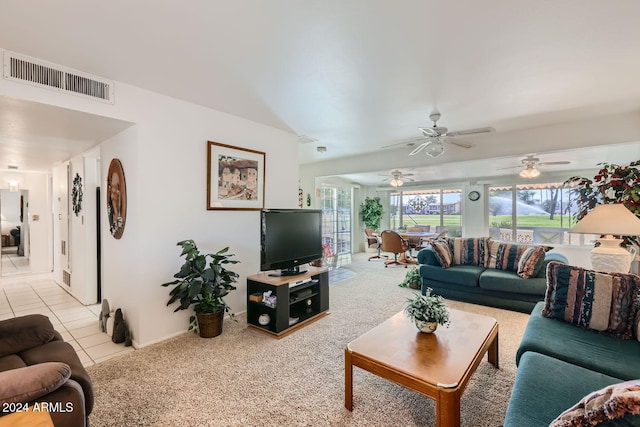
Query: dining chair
393, 243
374, 242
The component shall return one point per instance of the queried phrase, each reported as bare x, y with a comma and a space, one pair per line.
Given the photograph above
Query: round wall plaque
116, 199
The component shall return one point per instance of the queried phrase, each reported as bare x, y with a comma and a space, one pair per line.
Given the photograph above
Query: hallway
78, 324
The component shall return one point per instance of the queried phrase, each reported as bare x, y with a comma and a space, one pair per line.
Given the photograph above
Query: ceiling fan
436, 135
398, 178
530, 170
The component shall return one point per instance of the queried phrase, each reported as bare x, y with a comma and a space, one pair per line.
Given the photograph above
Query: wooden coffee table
437, 365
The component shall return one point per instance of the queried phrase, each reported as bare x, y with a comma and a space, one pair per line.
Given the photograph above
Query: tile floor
78, 324
14, 264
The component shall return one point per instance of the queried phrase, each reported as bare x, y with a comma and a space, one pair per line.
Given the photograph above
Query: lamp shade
614, 219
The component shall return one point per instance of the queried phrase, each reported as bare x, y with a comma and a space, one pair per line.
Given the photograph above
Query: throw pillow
605, 302
614, 402
506, 256
442, 252
529, 260
470, 251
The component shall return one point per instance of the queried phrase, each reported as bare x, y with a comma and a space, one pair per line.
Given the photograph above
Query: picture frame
235, 177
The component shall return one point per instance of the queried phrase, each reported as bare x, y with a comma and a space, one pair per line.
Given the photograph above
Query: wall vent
33, 71
66, 278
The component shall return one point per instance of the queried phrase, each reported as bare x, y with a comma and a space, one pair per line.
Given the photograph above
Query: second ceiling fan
530, 170
436, 135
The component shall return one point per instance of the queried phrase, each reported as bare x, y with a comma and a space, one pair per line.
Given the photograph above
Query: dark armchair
39, 369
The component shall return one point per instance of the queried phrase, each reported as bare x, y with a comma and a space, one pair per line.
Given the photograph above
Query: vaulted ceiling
359, 76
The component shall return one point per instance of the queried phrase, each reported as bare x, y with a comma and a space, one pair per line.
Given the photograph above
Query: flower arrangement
427, 308
612, 184
327, 250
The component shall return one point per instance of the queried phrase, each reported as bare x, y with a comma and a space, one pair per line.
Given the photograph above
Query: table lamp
610, 220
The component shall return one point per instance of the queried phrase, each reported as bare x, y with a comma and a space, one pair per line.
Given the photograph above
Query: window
533, 213
336, 222
439, 208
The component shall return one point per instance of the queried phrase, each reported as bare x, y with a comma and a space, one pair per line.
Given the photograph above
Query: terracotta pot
210, 324
426, 327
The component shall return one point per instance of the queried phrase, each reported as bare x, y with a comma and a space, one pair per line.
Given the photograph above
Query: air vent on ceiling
29, 70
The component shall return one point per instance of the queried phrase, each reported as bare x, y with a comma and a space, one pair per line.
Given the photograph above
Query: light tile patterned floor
78, 324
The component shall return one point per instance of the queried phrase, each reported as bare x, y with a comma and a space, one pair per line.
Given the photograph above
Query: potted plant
427, 311
203, 281
371, 212
412, 279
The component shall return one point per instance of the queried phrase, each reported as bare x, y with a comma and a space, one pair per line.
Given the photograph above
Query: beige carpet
246, 378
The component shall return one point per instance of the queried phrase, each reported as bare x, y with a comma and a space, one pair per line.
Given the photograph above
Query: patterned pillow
610, 403
506, 256
605, 302
442, 252
470, 251
529, 260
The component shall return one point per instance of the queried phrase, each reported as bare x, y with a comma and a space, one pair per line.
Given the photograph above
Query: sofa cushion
613, 402
530, 261
508, 281
538, 394
23, 385
470, 251
24, 332
442, 253
466, 275
590, 349
605, 302
12, 361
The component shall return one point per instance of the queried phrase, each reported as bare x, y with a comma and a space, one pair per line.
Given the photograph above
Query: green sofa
485, 286
559, 364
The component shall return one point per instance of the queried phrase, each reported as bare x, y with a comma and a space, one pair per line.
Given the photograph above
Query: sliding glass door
336, 205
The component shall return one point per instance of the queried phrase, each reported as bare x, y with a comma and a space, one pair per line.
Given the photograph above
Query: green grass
558, 221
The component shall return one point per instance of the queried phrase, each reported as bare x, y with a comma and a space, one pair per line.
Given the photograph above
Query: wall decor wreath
76, 194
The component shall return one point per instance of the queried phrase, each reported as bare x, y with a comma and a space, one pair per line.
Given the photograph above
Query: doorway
14, 225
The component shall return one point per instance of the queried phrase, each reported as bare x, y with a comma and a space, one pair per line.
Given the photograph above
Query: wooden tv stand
306, 302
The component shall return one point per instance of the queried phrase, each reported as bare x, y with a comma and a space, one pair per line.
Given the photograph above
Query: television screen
289, 238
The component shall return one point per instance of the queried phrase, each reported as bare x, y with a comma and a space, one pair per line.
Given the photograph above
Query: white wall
164, 162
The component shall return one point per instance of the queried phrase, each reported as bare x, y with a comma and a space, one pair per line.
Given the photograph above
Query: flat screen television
289, 238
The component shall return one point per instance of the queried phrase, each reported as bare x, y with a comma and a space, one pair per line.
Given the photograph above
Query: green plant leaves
200, 284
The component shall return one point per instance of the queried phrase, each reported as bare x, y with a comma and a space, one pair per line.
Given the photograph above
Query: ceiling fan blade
510, 167
419, 148
565, 162
406, 143
430, 132
471, 131
458, 143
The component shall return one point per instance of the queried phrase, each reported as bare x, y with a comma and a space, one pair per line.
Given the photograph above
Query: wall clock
473, 196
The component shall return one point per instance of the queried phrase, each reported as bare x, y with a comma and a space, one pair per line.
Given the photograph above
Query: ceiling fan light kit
396, 182
435, 136
434, 148
529, 172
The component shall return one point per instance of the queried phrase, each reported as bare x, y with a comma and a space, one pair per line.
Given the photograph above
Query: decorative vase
210, 324
426, 327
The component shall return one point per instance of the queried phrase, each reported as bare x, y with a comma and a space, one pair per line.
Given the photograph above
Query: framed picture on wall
235, 177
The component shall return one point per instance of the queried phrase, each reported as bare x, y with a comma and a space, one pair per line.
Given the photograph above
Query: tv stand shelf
307, 302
